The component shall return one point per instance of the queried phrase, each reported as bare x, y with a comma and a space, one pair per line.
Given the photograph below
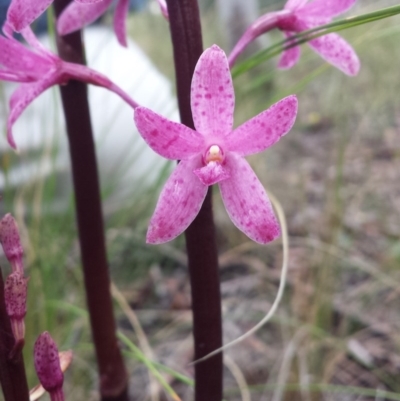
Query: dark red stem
200, 236
12, 371
113, 377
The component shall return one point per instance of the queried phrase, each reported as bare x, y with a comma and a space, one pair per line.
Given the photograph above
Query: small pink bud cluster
16, 285
48, 366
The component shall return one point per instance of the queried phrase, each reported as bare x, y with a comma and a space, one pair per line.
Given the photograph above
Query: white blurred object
124, 160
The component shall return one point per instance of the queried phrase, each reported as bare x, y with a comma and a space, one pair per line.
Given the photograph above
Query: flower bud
65, 361
47, 365
15, 290
10, 239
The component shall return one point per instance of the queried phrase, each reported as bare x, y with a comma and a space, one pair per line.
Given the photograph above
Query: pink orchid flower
298, 16
80, 13
39, 70
213, 153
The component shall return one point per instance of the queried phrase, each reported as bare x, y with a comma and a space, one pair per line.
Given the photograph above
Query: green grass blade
149, 364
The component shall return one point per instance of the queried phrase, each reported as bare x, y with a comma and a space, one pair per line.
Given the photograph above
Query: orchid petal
14, 77
212, 173
167, 138
22, 13
121, 12
326, 8
164, 9
32, 40
88, 1
336, 51
265, 129
212, 96
247, 202
22, 97
15, 57
289, 57
294, 4
179, 203
77, 15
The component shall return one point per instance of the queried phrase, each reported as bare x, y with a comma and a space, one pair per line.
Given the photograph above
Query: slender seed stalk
12, 370
113, 376
200, 236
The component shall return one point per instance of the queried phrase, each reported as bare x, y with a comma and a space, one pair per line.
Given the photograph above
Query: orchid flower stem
113, 376
200, 236
12, 371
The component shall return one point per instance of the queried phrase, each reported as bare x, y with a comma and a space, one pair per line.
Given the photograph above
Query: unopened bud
15, 290
47, 365
65, 361
10, 239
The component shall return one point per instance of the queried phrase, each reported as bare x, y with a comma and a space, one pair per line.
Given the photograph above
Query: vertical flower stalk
113, 376
200, 236
12, 371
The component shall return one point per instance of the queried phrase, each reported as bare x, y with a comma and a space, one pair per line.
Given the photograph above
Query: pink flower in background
80, 13
301, 15
22, 13
214, 154
37, 71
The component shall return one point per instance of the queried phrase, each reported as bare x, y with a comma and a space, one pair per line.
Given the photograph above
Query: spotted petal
179, 203
212, 95
247, 202
169, 139
336, 51
22, 13
78, 15
265, 129
121, 12
15, 57
326, 8
294, 4
22, 97
289, 57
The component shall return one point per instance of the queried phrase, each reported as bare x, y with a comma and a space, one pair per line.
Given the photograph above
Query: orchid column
200, 236
113, 377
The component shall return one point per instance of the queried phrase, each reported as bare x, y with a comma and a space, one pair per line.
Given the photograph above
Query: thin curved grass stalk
332, 389
239, 377
274, 307
284, 371
140, 334
149, 364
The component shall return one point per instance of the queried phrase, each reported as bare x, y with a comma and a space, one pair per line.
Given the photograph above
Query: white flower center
214, 154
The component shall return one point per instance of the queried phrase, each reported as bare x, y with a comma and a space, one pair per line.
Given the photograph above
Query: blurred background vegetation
336, 335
